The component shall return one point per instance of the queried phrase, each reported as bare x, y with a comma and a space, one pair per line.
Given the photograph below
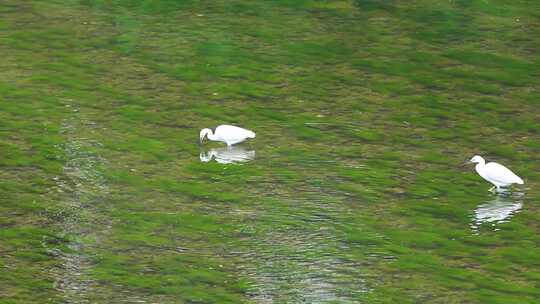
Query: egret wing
233, 132
501, 174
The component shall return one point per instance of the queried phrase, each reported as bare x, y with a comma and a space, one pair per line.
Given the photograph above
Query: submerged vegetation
363, 110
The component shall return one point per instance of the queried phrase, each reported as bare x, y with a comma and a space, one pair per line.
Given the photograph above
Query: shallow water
352, 191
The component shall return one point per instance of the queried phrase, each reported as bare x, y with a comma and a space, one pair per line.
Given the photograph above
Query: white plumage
228, 134
495, 173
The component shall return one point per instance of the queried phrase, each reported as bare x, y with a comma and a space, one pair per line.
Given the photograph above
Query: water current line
82, 187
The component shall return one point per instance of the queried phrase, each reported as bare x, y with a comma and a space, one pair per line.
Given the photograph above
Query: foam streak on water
82, 188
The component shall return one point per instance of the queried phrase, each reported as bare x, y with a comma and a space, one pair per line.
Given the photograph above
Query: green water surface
352, 192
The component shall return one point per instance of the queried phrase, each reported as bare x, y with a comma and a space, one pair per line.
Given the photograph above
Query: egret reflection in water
227, 155
498, 210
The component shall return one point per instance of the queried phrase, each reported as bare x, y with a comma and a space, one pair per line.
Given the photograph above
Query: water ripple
82, 186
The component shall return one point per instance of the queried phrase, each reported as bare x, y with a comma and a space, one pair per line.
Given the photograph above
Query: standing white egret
495, 173
228, 134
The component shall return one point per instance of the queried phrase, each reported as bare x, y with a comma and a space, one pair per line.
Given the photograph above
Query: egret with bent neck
228, 134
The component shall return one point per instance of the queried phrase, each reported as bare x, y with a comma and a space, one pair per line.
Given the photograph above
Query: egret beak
466, 163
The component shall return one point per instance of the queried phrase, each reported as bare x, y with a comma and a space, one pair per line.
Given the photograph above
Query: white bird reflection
497, 211
227, 155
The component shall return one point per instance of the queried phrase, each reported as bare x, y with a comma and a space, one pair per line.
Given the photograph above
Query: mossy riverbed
352, 191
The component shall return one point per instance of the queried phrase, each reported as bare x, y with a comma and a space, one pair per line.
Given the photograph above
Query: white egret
228, 134
495, 173
227, 155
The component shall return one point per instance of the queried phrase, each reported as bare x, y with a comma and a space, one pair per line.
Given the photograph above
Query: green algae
364, 111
